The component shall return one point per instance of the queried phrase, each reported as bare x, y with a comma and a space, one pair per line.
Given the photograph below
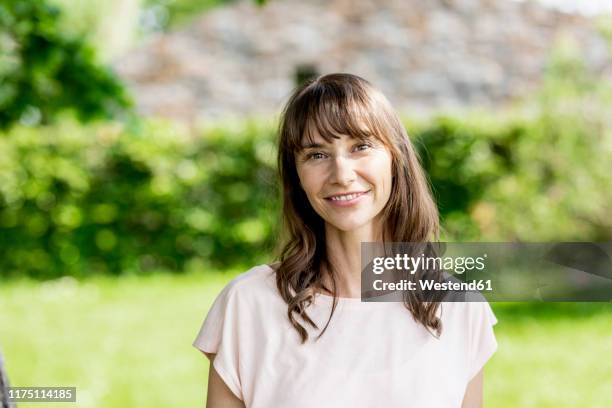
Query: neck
344, 252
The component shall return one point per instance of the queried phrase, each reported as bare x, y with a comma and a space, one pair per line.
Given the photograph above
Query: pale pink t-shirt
372, 354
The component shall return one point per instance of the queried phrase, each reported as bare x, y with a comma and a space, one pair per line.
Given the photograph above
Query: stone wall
425, 55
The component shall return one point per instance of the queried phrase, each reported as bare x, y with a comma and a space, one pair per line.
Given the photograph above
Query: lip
338, 203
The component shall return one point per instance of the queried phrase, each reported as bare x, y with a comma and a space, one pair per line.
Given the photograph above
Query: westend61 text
428, 284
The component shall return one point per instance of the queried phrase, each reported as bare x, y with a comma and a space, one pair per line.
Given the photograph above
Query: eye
362, 146
315, 156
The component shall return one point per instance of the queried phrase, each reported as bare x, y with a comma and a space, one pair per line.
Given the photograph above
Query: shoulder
467, 316
466, 304
255, 277
253, 291
257, 283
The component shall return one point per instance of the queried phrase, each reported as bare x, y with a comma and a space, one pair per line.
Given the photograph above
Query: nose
343, 172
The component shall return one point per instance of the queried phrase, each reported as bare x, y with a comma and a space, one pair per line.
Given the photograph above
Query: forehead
319, 131
315, 139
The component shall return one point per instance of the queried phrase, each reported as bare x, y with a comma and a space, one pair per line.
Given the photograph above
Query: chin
349, 225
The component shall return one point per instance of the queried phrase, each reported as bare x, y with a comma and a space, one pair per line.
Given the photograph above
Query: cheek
384, 174
308, 181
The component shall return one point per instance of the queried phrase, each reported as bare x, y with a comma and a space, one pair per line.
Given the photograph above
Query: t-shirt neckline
347, 301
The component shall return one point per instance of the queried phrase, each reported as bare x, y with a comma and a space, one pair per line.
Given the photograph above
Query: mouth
346, 198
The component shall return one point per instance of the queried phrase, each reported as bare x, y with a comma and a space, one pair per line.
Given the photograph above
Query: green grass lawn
126, 342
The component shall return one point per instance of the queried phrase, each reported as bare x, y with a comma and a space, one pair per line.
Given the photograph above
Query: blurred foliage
166, 14
44, 72
116, 26
541, 175
78, 201
112, 27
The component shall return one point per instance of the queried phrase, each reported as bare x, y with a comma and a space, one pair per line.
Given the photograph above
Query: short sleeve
482, 342
219, 335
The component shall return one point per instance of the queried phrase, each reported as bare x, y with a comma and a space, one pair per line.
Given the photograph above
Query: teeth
345, 197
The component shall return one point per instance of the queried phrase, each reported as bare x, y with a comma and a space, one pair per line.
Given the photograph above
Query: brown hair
334, 105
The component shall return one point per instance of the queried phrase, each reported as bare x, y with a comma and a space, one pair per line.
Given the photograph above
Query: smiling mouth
346, 197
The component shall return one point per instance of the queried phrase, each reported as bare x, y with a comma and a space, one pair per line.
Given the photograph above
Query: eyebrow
319, 145
312, 146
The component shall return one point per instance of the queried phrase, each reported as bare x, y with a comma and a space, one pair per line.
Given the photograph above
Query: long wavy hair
334, 105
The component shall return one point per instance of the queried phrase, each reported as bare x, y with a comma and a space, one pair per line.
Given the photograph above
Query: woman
296, 334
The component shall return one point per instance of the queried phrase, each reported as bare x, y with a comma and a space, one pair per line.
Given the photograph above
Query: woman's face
347, 181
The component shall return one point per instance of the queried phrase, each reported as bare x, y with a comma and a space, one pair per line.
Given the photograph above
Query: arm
473, 392
219, 395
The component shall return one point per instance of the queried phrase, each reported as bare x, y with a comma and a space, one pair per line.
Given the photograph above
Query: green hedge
112, 199
77, 201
